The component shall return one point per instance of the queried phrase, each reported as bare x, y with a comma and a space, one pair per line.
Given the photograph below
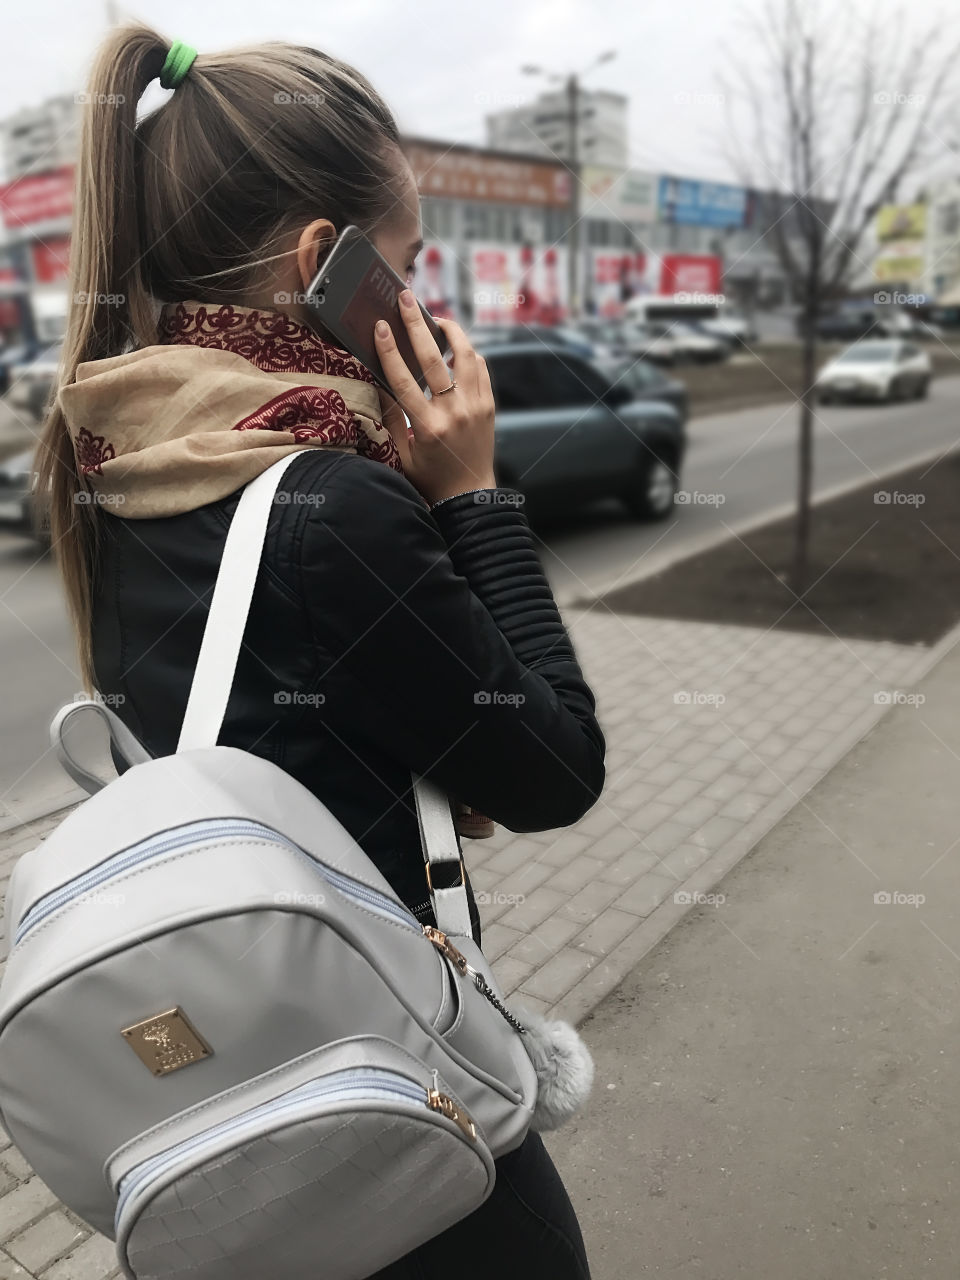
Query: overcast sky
442, 65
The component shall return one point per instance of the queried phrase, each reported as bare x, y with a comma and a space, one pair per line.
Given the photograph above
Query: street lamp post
572, 82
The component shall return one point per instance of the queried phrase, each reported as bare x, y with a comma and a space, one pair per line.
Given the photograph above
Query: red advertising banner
37, 197
689, 273
50, 259
519, 284
616, 276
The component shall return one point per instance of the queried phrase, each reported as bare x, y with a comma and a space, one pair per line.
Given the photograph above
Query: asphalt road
739, 466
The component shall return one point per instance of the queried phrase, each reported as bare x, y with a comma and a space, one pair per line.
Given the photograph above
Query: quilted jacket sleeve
460, 664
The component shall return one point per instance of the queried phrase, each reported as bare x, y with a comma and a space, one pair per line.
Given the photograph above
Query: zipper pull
447, 1107
443, 943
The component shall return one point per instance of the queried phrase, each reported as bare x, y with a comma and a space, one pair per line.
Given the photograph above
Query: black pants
526, 1229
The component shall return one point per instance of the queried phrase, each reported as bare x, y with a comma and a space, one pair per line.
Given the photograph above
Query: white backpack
224, 1040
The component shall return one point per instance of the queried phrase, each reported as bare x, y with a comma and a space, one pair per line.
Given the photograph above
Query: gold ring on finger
452, 387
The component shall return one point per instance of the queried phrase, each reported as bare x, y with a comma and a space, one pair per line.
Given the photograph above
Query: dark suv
566, 431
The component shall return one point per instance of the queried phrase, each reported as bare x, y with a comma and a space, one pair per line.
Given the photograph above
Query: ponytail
188, 205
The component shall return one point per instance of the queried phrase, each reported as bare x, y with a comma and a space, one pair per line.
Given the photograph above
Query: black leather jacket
383, 637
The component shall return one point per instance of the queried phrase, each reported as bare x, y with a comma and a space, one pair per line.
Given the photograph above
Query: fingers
424, 344
402, 382
484, 385
465, 359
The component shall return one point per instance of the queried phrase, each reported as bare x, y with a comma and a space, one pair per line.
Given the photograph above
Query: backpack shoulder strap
216, 665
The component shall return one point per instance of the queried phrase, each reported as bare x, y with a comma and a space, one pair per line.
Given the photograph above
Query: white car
651, 342
672, 341
731, 325
876, 369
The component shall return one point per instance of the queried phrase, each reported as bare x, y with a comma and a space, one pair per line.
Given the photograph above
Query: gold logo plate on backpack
166, 1042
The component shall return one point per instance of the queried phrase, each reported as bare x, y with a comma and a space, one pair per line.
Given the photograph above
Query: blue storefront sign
701, 204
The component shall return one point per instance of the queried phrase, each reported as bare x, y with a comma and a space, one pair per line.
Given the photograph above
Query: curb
708, 541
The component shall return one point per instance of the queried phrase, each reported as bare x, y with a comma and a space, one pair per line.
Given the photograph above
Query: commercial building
38, 147
544, 127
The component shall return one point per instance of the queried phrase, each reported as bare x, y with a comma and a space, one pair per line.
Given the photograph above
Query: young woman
401, 618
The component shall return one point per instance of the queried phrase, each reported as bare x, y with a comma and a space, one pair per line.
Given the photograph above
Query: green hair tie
178, 62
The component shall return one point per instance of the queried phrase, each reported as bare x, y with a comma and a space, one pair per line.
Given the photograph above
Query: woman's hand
449, 449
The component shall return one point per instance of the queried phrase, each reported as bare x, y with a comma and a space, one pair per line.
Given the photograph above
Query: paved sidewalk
777, 1082
713, 732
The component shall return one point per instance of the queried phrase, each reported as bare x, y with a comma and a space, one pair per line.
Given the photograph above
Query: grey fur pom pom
563, 1065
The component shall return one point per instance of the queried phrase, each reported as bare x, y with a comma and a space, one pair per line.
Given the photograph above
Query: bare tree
834, 113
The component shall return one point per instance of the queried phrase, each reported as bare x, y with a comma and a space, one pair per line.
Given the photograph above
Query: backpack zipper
350, 1083
203, 832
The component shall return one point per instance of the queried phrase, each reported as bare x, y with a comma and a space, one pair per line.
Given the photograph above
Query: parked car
647, 382
608, 336
545, 335
876, 369
32, 382
19, 510
676, 342
565, 430
648, 342
730, 326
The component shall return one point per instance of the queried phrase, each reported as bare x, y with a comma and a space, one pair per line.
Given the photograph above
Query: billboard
435, 280
470, 173
900, 262
616, 276
37, 197
518, 284
688, 273
629, 195
901, 222
901, 237
702, 204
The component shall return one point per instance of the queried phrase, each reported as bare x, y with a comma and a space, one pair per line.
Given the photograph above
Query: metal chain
484, 988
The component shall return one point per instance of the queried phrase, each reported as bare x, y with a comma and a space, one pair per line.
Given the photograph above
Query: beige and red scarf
224, 393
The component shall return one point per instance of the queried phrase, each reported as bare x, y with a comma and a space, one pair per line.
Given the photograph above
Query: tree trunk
799, 574
801, 538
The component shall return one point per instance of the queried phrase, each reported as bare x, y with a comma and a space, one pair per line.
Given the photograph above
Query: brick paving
713, 734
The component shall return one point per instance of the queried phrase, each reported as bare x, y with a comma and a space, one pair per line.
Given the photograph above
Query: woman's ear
315, 242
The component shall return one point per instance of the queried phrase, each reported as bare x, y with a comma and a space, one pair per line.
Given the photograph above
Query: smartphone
353, 289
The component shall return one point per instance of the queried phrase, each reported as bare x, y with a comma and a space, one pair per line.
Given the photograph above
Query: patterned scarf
225, 393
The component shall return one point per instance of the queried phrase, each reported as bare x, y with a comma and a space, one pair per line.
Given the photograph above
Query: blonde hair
189, 204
